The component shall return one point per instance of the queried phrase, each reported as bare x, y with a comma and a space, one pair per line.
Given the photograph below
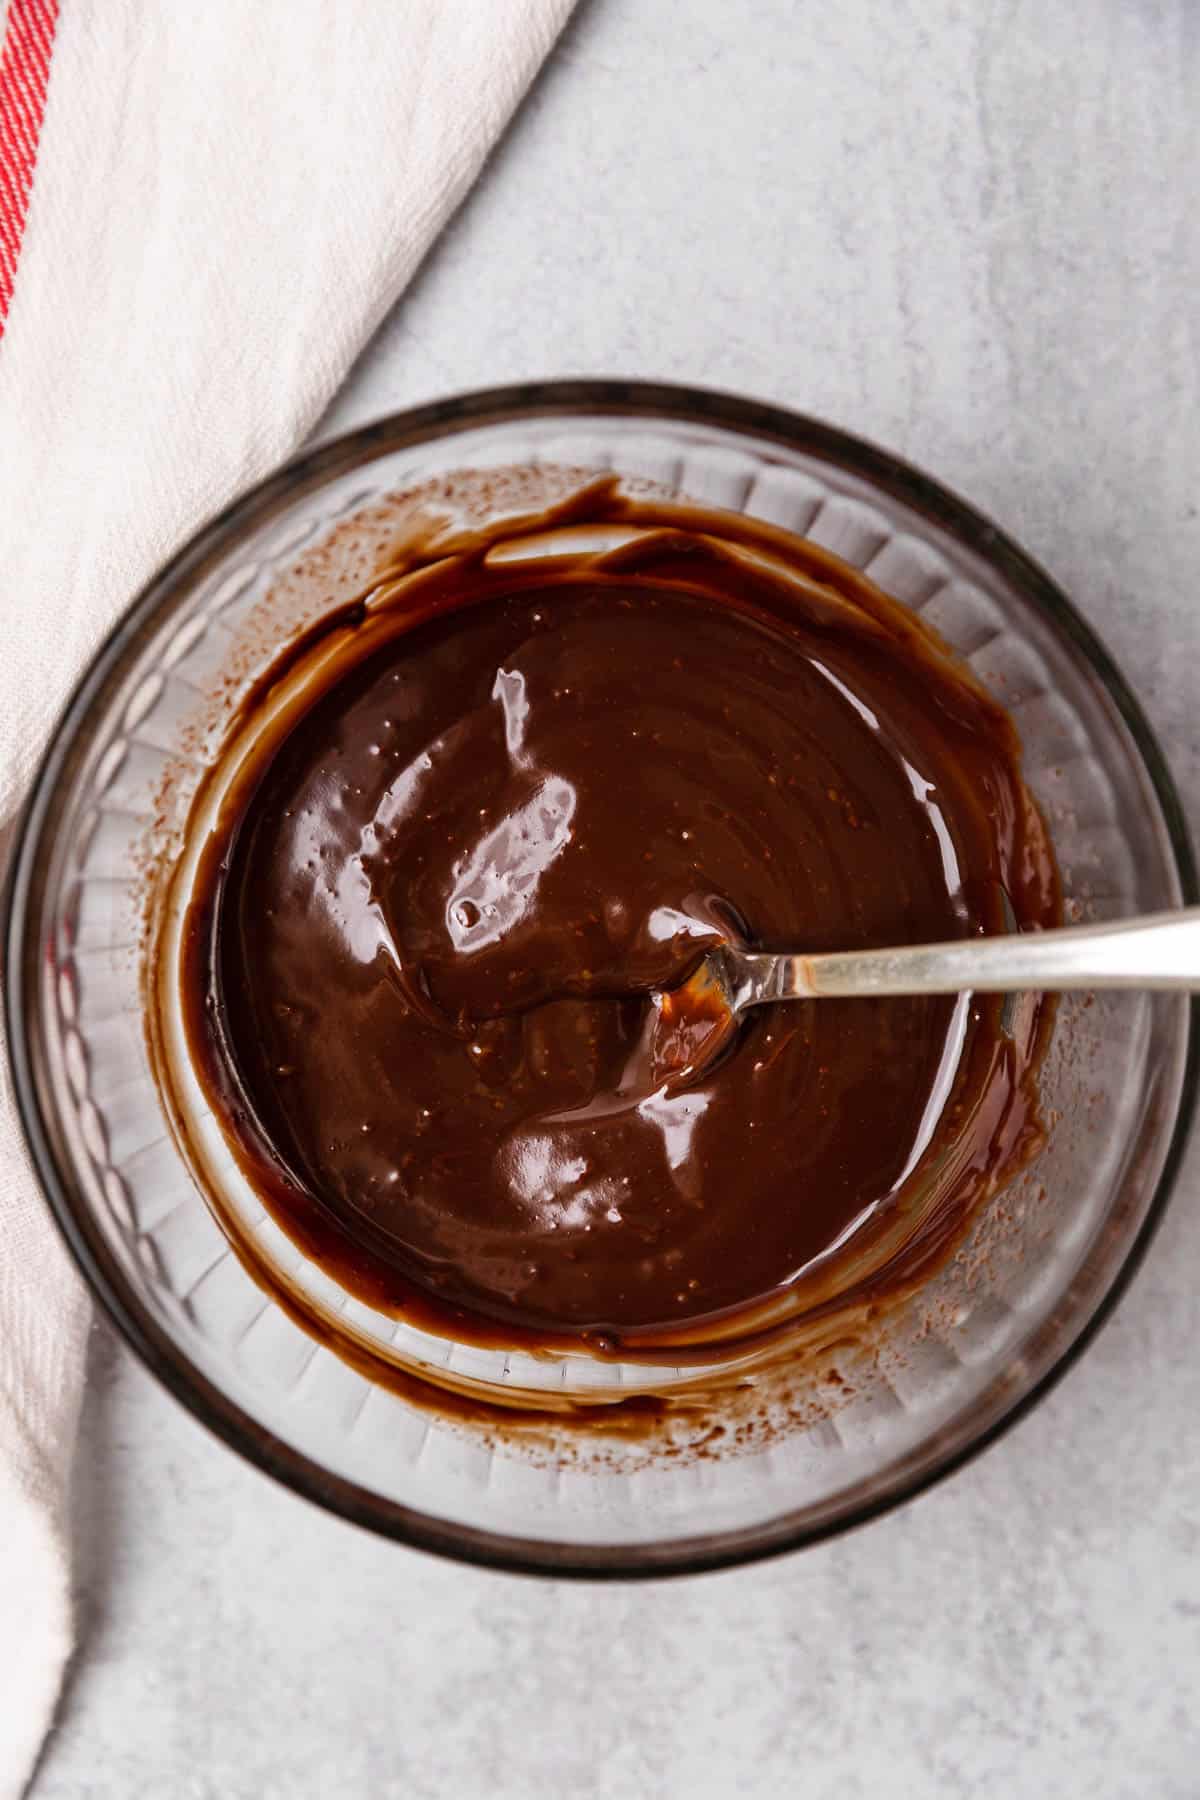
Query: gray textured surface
970, 231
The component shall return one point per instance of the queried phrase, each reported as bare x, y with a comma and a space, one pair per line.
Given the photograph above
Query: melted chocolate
506, 803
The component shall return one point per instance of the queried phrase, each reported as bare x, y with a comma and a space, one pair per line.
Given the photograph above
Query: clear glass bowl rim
563, 399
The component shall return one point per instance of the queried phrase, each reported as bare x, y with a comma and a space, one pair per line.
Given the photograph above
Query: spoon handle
1160, 951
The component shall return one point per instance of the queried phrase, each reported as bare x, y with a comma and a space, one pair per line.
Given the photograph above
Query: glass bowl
948, 1370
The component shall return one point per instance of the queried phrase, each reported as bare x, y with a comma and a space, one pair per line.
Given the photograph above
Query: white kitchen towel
198, 232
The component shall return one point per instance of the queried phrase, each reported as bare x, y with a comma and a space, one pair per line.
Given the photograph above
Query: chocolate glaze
499, 806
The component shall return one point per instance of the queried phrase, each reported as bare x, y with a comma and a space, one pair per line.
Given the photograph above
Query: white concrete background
969, 229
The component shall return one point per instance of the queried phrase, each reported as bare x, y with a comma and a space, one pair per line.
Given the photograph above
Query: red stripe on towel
24, 71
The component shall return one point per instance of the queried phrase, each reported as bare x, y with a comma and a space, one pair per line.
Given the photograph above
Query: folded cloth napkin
204, 212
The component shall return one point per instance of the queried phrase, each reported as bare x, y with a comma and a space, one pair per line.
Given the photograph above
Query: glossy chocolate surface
505, 803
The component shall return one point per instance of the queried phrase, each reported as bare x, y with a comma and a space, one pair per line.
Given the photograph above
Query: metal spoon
1160, 951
